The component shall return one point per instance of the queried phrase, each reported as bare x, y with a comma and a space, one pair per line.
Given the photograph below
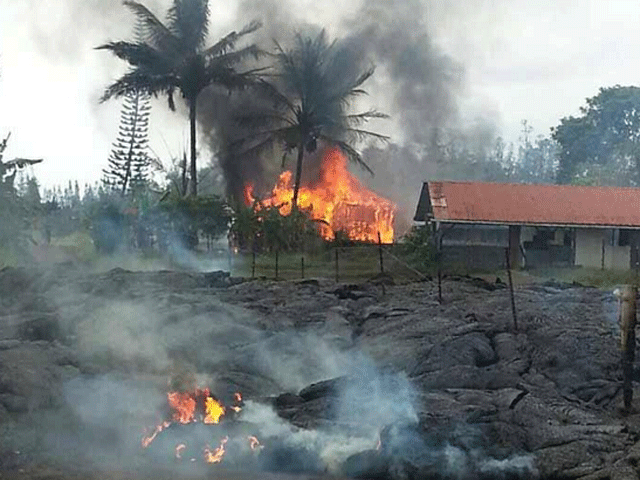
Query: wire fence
342, 264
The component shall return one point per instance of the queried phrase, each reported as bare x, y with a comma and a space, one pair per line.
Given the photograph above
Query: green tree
602, 144
128, 162
14, 213
174, 57
310, 92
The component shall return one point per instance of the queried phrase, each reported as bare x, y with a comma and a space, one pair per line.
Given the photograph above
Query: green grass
352, 266
77, 246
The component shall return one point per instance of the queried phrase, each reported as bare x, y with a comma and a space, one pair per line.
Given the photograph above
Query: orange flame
338, 199
146, 441
198, 406
183, 406
215, 456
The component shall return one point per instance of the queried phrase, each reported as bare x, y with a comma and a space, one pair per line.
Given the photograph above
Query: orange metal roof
520, 204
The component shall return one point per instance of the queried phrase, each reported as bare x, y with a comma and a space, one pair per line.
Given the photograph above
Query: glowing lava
337, 199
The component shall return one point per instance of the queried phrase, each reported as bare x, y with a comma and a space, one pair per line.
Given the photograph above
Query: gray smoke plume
423, 82
415, 82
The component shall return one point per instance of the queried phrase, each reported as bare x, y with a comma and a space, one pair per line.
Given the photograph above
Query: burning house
336, 199
541, 225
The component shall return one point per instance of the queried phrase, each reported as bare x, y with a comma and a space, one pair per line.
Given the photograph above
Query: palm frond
271, 92
232, 58
138, 54
364, 117
189, 21
286, 135
364, 135
22, 162
260, 119
153, 29
140, 80
228, 42
229, 78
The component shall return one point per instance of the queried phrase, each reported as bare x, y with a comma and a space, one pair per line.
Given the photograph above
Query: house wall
467, 258
589, 243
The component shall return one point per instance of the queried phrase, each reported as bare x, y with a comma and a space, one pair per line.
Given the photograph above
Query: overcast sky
535, 60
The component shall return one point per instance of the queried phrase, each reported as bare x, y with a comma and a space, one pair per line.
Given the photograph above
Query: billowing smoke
415, 82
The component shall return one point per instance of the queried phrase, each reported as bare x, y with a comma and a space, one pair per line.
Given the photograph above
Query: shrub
417, 246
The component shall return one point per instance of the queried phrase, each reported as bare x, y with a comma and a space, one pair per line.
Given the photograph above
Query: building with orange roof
541, 225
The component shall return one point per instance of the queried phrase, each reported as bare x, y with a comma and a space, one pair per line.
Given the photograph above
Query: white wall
589, 250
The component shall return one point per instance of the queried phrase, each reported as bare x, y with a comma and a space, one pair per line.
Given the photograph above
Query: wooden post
302, 266
627, 296
253, 263
439, 262
277, 260
507, 257
337, 275
380, 253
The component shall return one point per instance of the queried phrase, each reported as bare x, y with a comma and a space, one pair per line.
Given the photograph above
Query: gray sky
523, 60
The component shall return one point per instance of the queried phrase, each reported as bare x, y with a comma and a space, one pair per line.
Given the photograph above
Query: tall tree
129, 160
311, 91
173, 56
604, 139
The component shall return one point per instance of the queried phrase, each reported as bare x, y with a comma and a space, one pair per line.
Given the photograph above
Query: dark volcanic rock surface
549, 388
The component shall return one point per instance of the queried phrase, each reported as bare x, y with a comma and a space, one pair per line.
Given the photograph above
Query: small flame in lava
179, 449
214, 410
337, 199
192, 407
254, 443
215, 456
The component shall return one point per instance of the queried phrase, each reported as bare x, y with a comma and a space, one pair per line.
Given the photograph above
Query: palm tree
310, 95
174, 57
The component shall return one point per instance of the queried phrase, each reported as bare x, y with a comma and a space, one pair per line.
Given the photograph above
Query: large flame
337, 199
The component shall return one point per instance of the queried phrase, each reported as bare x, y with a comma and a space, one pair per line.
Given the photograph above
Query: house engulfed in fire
541, 225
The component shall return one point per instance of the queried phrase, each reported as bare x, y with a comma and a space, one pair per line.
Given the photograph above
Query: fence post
439, 262
337, 275
302, 266
513, 300
380, 253
253, 263
627, 295
602, 255
277, 260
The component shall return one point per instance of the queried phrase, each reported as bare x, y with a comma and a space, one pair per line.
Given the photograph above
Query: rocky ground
452, 390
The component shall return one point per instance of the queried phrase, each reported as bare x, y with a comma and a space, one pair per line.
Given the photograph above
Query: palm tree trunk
193, 170
296, 185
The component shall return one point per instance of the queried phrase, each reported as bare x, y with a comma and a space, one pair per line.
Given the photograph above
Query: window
624, 238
